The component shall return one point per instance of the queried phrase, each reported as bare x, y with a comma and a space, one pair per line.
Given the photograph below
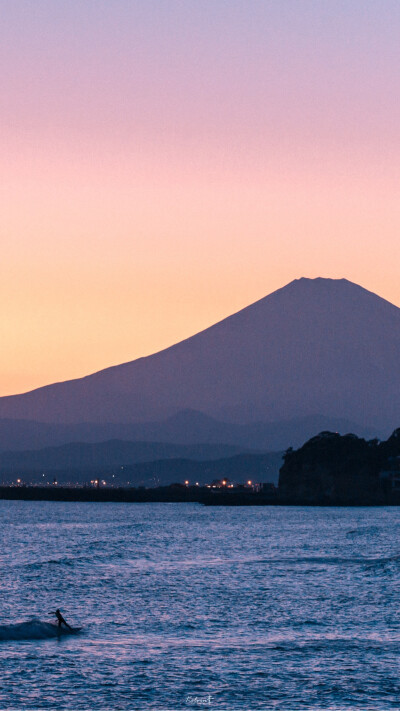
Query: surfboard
69, 630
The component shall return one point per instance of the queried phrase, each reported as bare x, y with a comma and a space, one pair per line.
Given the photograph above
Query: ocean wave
65, 561
362, 531
32, 629
40, 564
382, 562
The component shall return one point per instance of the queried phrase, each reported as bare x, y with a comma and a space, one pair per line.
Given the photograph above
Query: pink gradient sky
166, 163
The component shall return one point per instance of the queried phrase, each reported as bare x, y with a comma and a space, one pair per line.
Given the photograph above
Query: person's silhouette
60, 619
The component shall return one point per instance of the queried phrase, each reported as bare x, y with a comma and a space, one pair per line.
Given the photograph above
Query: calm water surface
190, 607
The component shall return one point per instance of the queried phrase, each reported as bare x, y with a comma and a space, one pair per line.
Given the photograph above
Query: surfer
60, 619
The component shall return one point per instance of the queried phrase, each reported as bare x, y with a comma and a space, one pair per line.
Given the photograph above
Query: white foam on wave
31, 629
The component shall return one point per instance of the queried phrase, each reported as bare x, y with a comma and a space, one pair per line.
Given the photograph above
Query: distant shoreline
174, 494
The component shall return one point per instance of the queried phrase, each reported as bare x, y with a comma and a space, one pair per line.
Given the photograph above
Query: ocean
186, 607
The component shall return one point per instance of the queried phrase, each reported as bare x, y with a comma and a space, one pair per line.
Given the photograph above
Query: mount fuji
322, 347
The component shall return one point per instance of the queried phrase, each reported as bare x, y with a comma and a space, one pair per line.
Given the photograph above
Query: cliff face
331, 468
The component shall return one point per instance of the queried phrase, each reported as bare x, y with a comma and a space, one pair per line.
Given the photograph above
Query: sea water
184, 606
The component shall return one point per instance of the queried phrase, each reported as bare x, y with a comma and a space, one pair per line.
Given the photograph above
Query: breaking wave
32, 629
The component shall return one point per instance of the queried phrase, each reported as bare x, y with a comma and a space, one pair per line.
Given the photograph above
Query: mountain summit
316, 346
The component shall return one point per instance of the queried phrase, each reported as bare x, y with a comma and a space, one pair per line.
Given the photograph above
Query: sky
165, 163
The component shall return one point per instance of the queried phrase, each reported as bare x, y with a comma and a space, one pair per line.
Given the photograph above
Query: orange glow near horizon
153, 184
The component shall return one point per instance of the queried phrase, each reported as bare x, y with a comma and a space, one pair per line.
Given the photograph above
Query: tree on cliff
331, 468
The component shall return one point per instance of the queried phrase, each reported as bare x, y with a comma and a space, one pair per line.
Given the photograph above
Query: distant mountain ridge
187, 427
120, 465
110, 453
315, 346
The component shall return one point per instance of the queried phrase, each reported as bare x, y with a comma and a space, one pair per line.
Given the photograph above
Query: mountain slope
315, 346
